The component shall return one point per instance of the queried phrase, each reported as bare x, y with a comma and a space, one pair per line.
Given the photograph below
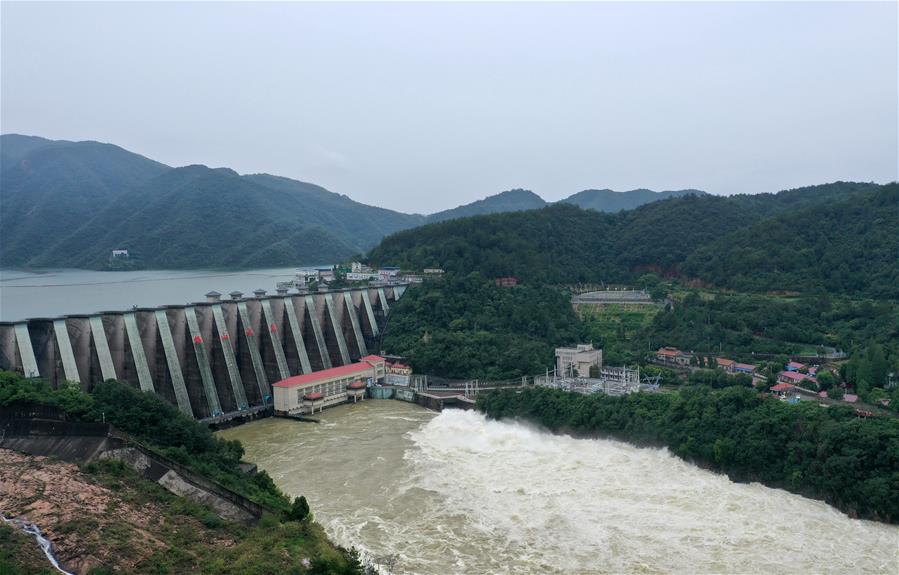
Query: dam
211, 359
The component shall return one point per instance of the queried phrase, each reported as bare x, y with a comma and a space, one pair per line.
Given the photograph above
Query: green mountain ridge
71, 203
509, 201
562, 244
612, 201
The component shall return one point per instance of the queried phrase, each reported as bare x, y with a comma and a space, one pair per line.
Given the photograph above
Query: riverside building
311, 392
577, 361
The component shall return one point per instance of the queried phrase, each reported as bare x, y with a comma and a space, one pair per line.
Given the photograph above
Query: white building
577, 361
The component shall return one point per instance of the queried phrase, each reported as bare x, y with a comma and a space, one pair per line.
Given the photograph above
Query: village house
744, 368
673, 356
506, 282
795, 378
725, 364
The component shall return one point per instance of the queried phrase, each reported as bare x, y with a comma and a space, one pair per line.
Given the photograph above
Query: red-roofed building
302, 394
725, 364
673, 356
850, 398
795, 366
794, 377
782, 387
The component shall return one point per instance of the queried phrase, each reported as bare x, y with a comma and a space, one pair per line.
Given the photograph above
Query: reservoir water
455, 493
50, 293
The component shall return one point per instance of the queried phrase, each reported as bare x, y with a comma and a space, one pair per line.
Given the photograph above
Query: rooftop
343, 370
782, 387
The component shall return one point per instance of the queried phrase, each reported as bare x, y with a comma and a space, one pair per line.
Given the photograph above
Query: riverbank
454, 492
101, 514
103, 517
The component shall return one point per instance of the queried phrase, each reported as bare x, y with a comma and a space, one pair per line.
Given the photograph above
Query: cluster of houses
678, 358
359, 272
799, 377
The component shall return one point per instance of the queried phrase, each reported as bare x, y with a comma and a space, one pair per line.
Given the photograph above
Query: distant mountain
612, 201
196, 217
72, 203
509, 201
50, 188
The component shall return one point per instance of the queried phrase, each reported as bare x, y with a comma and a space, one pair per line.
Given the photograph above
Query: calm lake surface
50, 293
436, 494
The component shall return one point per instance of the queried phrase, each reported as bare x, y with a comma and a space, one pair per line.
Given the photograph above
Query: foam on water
456, 493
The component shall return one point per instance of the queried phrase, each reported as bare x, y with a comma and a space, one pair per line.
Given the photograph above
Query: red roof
723, 361
850, 398
668, 351
343, 370
794, 375
782, 387
796, 365
372, 358
313, 396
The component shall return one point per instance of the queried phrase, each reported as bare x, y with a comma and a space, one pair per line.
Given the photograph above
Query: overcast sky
422, 107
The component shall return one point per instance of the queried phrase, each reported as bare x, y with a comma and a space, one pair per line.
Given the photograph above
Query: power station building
311, 392
577, 361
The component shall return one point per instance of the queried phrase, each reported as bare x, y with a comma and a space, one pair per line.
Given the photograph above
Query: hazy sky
421, 107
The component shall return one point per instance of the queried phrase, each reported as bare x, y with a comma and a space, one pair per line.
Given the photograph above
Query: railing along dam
210, 358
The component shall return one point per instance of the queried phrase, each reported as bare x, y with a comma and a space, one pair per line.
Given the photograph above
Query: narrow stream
43, 542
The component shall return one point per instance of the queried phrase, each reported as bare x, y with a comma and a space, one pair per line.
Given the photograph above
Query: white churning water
456, 493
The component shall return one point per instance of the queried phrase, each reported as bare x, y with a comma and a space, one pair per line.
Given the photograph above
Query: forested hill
49, 188
71, 203
509, 201
195, 217
612, 201
520, 200
850, 246
564, 244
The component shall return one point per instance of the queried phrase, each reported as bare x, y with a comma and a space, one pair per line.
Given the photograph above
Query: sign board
396, 379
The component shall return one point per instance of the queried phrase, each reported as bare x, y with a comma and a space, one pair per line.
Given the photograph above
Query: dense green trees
844, 247
467, 327
691, 236
849, 462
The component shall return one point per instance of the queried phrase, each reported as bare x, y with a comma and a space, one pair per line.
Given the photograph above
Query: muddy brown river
436, 494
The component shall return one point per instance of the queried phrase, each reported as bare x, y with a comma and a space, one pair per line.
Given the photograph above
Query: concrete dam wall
211, 358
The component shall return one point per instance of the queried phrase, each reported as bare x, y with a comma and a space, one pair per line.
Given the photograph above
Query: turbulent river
455, 493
